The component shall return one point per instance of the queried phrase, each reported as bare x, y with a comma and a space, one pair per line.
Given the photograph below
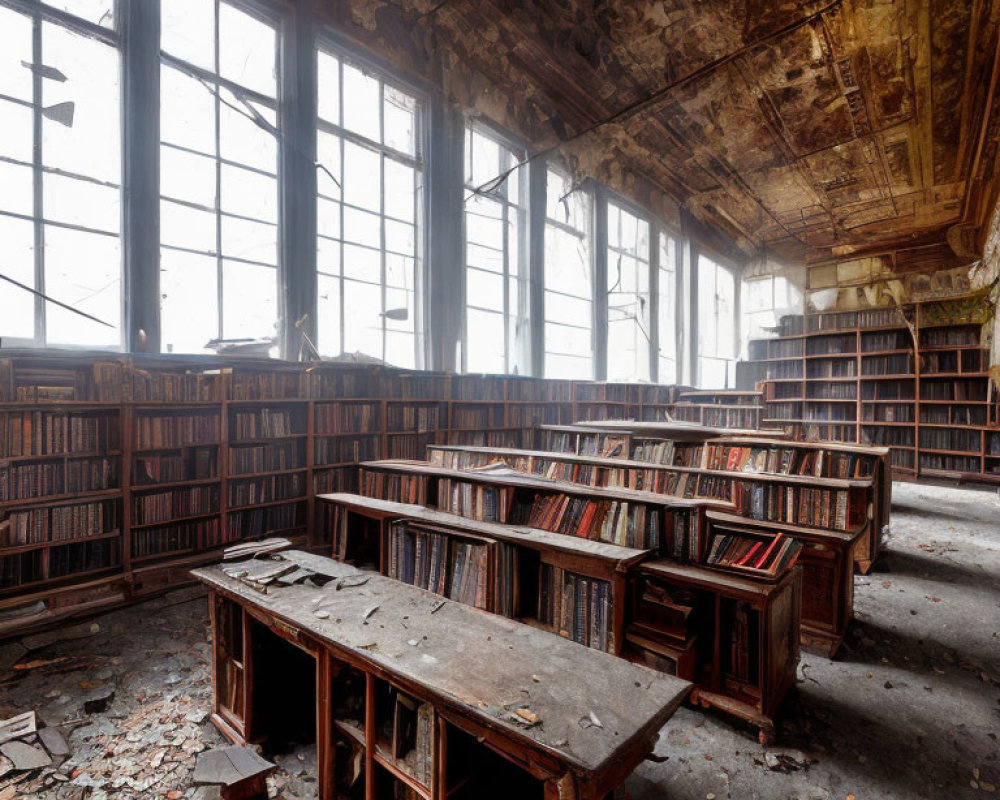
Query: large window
218, 174
666, 290
764, 301
60, 175
495, 304
569, 283
369, 181
716, 325
628, 295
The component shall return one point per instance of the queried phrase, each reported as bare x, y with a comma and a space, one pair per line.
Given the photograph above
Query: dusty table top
593, 707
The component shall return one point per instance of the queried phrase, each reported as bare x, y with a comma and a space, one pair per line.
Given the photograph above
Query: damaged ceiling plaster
818, 131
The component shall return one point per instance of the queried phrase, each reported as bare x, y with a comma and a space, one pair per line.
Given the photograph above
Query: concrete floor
909, 709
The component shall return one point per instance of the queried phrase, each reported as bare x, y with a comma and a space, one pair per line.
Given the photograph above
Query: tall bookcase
913, 379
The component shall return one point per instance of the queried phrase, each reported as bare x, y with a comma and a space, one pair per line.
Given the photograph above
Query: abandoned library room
499, 399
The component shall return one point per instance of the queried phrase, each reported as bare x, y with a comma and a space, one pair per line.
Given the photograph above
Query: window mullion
38, 206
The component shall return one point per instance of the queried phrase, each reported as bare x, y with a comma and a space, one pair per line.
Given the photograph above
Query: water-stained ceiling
819, 130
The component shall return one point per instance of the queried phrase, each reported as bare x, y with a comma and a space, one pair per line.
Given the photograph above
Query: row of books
945, 361
367, 447
745, 418
832, 345
163, 431
26, 481
266, 423
951, 439
485, 438
888, 437
199, 535
35, 433
266, 384
831, 368
469, 574
869, 318
268, 519
950, 337
473, 500
477, 417
886, 340
482, 388
418, 386
954, 390
269, 457
576, 607
829, 412
898, 364
59, 523
887, 412
413, 417
950, 463
831, 391
37, 381
775, 348
336, 418
782, 370
654, 451
524, 416
888, 390
411, 446
198, 463
268, 489
83, 557
769, 556
176, 387
166, 506
604, 392
798, 505
786, 391
392, 486
777, 459
418, 556
636, 525
786, 410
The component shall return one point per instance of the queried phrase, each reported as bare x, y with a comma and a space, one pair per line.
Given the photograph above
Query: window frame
336, 46
522, 315
38, 13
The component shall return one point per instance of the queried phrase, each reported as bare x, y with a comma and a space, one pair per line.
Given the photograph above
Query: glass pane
484, 258
707, 315
400, 303
185, 176
189, 308
568, 367
15, 48
399, 237
16, 134
484, 334
249, 301
328, 87
328, 256
188, 31
329, 176
568, 310
363, 264
361, 103
711, 373
248, 51
668, 371
726, 304
17, 191
485, 164
17, 254
399, 190
253, 241
399, 274
327, 218
566, 340
83, 270
399, 349
362, 319
361, 227
81, 203
757, 295
190, 228
249, 194
187, 111
91, 146
243, 140
400, 121
484, 289
362, 185
567, 263
328, 315
99, 12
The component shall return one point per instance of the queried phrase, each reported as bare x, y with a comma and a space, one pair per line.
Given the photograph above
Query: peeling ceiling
815, 130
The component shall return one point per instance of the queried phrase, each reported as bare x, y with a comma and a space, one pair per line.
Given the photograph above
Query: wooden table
587, 718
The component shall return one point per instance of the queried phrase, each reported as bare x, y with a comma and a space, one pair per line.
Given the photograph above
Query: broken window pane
16, 189
91, 144
247, 51
82, 270
99, 12
242, 139
15, 52
188, 31
328, 87
329, 177
249, 300
187, 111
628, 348
81, 203
188, 301
361, 103
17, 245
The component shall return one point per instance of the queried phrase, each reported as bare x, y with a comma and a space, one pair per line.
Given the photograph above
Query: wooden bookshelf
913, 379
392, 726
721, 409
